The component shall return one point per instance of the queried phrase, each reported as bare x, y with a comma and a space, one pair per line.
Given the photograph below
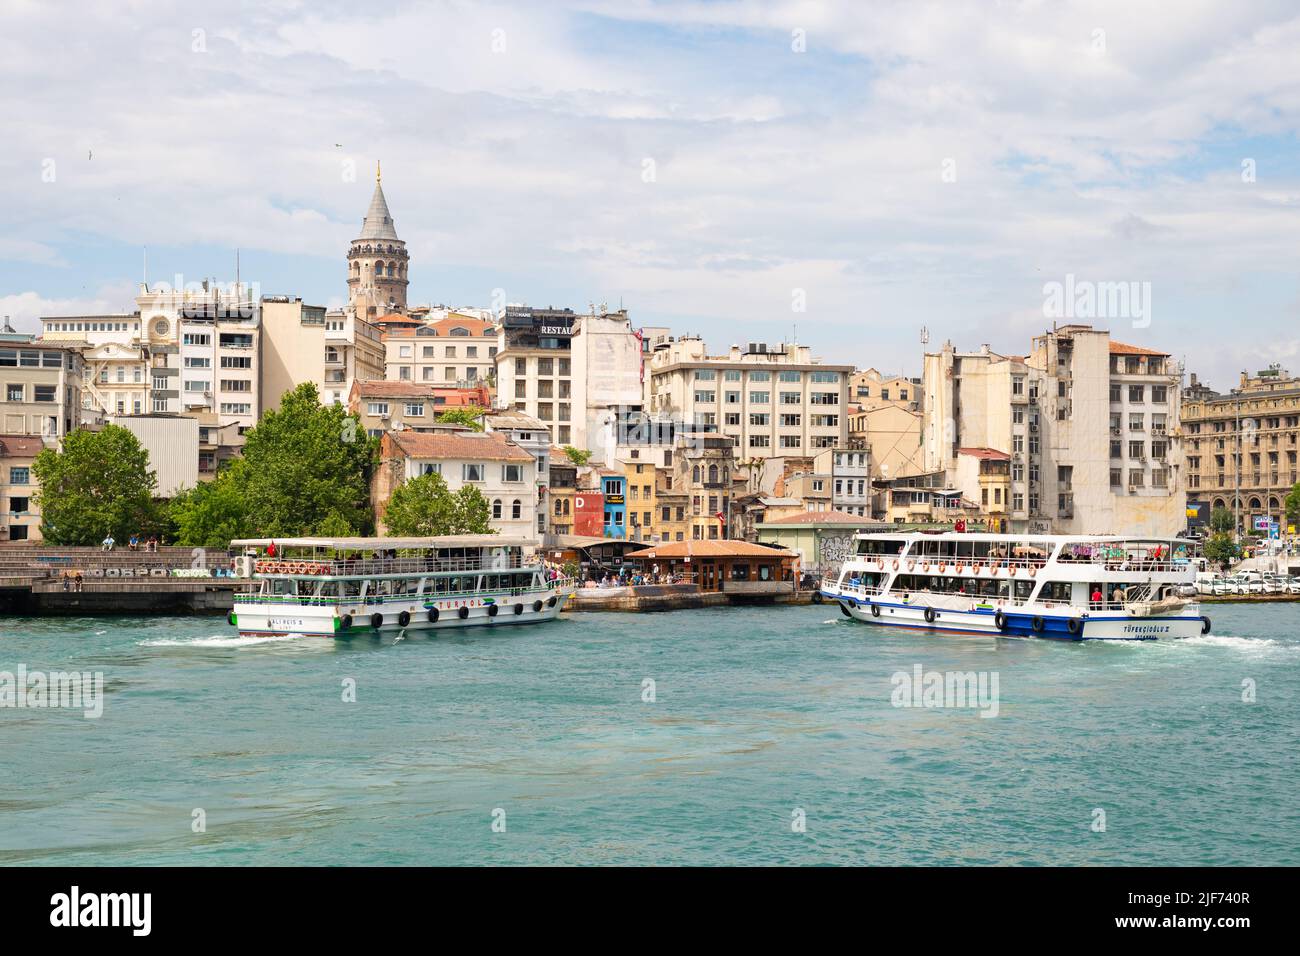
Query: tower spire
378, 177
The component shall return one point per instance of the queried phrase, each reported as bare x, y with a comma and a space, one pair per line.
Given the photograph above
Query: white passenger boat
346, 586
1075, 587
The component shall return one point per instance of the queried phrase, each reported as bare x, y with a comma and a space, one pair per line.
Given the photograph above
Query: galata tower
377, 262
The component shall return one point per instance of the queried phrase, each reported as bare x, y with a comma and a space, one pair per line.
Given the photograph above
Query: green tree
98, 484
1221, 549
578, 456
425, 506
306, 471
213, 512
468, 416
1221, 521
1293, 505
304, 463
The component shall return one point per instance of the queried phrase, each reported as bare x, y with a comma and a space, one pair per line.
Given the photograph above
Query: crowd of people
631, 578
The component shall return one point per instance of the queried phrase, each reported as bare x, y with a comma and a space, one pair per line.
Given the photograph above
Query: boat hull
271, 620
1018, 623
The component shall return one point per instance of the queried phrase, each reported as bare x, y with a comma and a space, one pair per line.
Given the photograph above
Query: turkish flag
960, 525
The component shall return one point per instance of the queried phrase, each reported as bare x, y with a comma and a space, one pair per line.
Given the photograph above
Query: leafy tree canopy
1221, 520
98, 484
425, 506
1221, 549
463, 416
1292, 505
306, 471
578, 456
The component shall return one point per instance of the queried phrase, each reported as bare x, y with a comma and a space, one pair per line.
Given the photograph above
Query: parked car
1293, 585
1274, 583
1224, 585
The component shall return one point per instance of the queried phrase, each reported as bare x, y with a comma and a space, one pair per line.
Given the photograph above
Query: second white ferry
1075, 587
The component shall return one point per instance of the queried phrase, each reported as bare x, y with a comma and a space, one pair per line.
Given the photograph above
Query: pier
41, 580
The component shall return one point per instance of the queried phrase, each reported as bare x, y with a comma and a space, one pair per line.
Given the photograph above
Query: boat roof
372, 544
1019, 538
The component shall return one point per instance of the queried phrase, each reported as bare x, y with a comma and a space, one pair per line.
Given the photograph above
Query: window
415, 409
377, 408
760, 398
227, 408
512, 473
191, 361
516, 509
496, 507
706, 398
236, 361
45, 393
791, 398
759, 441
472, 472
759, 419
236, 385
197, 385
14, 393
19, 476
824, 398
431, 468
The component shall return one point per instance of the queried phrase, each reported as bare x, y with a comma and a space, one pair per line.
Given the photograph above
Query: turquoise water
759, 713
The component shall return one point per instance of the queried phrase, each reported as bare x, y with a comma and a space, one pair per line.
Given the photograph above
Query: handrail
368, 567
312, 600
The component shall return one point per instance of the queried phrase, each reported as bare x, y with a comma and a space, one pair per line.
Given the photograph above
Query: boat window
1024, 589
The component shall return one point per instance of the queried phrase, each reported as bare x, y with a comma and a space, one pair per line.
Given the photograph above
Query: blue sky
900, 165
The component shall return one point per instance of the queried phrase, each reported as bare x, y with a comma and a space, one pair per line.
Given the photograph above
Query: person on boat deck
1117, 595
855, 581
1096, 596
270, 550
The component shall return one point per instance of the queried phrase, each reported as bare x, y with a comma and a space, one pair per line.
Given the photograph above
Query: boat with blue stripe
1068, 587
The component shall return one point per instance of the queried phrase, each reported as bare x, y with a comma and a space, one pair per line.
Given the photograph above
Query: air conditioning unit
243, 566
1033, 399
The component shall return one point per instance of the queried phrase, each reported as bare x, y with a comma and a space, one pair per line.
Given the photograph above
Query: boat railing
847, 587
313, 600
364, 567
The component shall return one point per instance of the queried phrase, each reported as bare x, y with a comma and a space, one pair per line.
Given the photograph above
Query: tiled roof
986, 454
1119, 348
381, 388
712, 549
466, 446
820, 517
475, 327
20, 446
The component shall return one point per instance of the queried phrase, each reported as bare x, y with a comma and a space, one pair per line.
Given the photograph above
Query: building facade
20, 516
456, 351
1241, 447
771, 402
502, 471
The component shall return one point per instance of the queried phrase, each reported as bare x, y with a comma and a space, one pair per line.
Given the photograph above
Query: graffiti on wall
836, 548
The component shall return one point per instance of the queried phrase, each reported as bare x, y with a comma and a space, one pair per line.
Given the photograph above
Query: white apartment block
850, 476
772, 401
1089, 425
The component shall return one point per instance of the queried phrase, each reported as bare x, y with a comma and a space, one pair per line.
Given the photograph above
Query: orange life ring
1032, 572
911, 564
1014, 570
961, 568
896, 564
880, 563
926, 566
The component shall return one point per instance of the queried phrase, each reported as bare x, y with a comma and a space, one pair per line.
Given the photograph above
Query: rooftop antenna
925, 335
144, 275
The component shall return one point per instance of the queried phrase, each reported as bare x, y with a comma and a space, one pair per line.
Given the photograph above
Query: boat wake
1238, 643
218, 640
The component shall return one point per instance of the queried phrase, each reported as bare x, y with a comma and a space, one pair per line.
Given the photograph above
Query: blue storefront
615, 506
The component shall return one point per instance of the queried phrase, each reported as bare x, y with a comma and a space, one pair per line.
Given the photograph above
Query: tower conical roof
378, 223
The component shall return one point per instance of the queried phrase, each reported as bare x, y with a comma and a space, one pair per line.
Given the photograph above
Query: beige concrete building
385, 406
771, 401
1090, 424
42, 385
1241, 446
458, 351
870, 388
20, 516
304, 343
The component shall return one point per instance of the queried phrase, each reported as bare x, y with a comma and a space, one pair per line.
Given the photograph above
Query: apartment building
579, 373
456, 350
703, 469
560, 491
1241, 446
639, 480
885, 417
534, 437
504, 473
394, 406
305, 343
20, 517
42, 385
1090, 425
849, 468
116, 379
771, 401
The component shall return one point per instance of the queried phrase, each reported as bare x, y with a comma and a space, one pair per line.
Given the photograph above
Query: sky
855, 176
